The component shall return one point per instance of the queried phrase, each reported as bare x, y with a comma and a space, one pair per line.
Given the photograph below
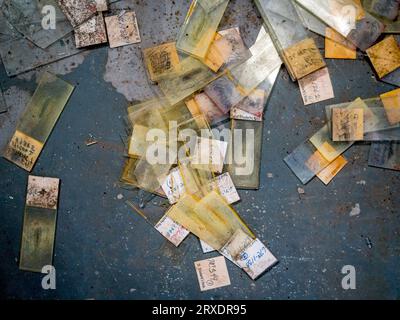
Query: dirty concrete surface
103, 250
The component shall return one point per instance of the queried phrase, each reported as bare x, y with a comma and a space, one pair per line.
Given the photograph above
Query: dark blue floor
105, 251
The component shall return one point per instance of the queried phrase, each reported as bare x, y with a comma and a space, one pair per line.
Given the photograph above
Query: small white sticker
239, 114
236, 244
173, 186
227, 188
171, 230
316, 87
212, 273
256, 259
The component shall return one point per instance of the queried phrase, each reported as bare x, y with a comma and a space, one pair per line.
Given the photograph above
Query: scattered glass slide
230, 89
385, 155
245, 149
192, 75
374, 113
347, 18
199, 28
210, 218
387, 9
306, 161
27, 17
38, 120
39, 225
20, 55
292, 40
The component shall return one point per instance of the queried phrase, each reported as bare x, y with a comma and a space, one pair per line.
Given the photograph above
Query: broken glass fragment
20, 55
28, 16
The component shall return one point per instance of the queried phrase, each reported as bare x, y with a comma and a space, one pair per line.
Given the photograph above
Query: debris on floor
199, 139
91, 141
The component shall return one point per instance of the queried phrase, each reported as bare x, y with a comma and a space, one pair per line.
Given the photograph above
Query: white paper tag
173, 186
237, 244
239, 114
227, 188
212, 273
171, 230
256, 259
316, 87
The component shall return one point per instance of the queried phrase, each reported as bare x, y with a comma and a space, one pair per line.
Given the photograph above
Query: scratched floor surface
104, 251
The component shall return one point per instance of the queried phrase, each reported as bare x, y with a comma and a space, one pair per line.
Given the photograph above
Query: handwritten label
236, 244
122, 29
227, 188
171, 230
304, 58
385, 56
173, 186
256, 259
161, 60
23, 150
212, 273
42, 192
316, 87
391, 103
347, 124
